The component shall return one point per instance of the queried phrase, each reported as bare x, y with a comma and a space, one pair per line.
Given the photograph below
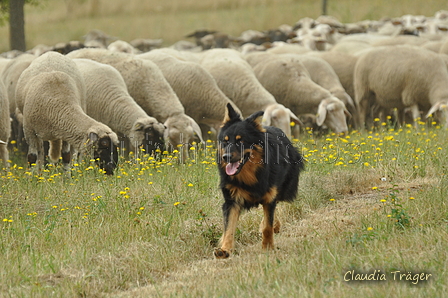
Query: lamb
289, 81
109, 102
149, 88
237, 80
51, 96
195, 87
399, 77
5, 126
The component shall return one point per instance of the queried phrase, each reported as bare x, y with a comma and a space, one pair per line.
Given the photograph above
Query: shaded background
54, 21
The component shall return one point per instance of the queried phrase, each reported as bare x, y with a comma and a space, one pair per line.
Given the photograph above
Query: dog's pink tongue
231, 168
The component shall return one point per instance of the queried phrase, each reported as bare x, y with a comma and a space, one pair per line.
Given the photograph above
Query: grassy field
368, 201
56, 21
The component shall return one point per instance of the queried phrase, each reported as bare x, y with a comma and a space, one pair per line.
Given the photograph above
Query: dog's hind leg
269, 227
231, 215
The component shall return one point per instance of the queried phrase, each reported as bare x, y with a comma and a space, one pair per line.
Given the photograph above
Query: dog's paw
221, 254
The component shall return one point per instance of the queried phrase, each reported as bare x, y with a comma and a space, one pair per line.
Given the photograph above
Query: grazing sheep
344, 66
237, 80
146, 45
289, 81
324, 75
195, 87
97, 39
10, 76
149, 88
109, 102
400, 77
5, 126
122, 46
282, 47
51, 95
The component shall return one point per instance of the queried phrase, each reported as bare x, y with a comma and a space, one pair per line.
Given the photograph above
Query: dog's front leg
231, 211
268, 228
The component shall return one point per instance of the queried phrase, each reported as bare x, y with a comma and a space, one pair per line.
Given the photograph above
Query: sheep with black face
109, 102
51, 96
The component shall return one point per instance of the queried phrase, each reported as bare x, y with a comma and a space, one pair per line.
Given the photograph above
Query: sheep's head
180, 131
279, 116
148, 133
333, 113
105, 150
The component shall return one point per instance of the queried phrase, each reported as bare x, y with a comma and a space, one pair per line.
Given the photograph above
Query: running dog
257, 165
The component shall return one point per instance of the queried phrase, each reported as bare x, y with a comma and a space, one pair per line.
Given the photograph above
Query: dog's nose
227, 156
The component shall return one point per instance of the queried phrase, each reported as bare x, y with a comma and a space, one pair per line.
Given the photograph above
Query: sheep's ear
321, 113
138, 126
166, 132
231, 114
295, 119
347, 113
437, 106
2, 142
196, 128
267, 117
256, 119
93, 137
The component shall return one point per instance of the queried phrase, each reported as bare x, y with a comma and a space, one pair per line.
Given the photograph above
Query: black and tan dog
257, 165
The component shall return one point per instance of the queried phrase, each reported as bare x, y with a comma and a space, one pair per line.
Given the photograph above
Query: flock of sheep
94, 96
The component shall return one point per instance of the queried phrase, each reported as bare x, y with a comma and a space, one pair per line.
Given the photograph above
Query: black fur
268, 172
106, 155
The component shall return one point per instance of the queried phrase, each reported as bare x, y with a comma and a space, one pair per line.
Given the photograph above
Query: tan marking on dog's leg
277, 225
267, 230
228, 238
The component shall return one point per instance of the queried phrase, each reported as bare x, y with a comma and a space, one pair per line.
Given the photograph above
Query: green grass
367, 201
61, 21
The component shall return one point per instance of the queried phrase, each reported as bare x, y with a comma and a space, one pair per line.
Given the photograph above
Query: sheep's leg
35, 150
4, 155
415, 114
66, 156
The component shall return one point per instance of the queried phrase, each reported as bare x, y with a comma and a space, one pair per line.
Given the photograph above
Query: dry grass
61, 21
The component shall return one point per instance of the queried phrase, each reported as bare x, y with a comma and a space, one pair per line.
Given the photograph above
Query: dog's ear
256, 119
231, 114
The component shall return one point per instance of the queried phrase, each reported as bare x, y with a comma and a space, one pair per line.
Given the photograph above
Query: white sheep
5, 126
149, 88
109, 102
51, 96
323, 74
10, 76
280, 47
237, 80
400, 77
195, 87
344, 66
289, 81
122, 46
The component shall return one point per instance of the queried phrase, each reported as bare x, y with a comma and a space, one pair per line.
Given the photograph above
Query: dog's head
241, 142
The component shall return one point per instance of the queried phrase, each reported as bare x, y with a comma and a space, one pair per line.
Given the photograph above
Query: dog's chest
247, 197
